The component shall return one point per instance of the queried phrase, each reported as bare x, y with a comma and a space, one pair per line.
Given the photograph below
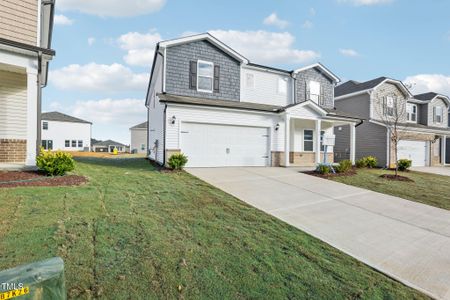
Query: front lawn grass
427, 188
135, 233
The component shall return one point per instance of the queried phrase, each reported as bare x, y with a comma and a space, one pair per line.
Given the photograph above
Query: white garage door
413, 150
209, 145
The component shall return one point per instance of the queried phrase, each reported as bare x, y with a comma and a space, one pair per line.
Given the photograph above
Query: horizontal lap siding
18, 21
13, 105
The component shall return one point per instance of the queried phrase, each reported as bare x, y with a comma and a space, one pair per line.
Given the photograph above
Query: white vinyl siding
265, 88
19, 20
13, 105
139, 138
69, 136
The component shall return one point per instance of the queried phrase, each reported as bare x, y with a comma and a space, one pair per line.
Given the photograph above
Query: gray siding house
423, 125
139, 138
211, 103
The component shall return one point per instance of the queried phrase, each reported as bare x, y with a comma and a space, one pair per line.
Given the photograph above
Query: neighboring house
209, 102
25, 52
139, 138
109, 146
423, 129
64, 132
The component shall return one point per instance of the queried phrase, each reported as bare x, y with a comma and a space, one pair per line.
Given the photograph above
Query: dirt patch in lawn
396, 178
33, 178
330, 175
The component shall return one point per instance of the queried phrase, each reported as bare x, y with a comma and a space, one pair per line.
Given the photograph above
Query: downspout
164, 135
39, 105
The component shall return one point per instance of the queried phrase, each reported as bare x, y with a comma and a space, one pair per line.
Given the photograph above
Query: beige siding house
139, 138
25, 52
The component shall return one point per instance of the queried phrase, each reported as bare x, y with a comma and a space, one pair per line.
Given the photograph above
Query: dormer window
438, 114
411, 112
205, 76
314, 91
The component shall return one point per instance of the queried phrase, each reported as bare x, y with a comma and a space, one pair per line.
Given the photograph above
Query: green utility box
43, 280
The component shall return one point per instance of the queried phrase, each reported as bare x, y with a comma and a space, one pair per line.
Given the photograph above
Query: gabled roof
354, 87
60, 117
143, 125
108, 143
430, 96
201, 37
321, 68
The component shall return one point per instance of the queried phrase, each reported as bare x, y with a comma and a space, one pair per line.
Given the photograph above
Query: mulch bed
33, 178
330, 175
396, 178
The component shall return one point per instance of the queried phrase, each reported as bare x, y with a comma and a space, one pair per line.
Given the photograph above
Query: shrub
371, 161
361, 163
344, 166
404, 164
55, 163
177, 161
323, 169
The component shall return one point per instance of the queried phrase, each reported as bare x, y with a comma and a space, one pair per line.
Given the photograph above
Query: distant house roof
351, 87
108, 143
143, 125
60, 117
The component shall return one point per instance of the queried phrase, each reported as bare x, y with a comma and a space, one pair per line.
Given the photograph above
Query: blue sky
105, 47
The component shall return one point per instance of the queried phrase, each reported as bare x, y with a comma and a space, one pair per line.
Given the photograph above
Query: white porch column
287, 141
443, 148
352, 142
317, 142
31, 116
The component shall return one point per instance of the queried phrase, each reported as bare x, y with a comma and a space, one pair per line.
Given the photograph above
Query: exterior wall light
277, 127
173, 120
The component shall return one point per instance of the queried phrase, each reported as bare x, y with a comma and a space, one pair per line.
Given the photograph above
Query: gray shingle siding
314, 74
177, 70
370, 138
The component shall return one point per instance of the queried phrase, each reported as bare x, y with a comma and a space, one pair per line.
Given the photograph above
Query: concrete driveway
433, 170
406, 240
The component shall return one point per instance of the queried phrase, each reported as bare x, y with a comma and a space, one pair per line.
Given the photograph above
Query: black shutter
216, 78
193, 75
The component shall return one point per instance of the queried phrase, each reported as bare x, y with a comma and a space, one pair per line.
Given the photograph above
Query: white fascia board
262, 69
310, 104
353, 94
323, 68
248, 111
398, 83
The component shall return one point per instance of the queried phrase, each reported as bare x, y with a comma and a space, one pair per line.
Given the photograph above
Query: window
80, 144
438, 114
205, 76
45, 125
250, 80
308, 140
314, 91
47, 144
322, 147
411, 112
67, 143
142, 147
74, 144
389, 106
282, 86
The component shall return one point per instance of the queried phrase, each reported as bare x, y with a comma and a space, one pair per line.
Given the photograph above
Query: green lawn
135, 233
427, 188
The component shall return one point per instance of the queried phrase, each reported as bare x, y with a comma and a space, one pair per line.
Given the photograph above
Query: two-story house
422, 122
25, 52
211, 103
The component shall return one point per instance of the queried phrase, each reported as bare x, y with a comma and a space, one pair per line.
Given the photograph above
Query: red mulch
32, 178
329, 175
396, 178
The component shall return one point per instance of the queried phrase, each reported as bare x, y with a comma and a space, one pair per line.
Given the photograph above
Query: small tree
392, 113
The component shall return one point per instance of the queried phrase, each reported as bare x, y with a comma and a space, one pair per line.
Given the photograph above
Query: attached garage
214, 145
414, 150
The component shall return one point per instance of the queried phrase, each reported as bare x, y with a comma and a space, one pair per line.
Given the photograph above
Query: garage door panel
413, 150
208, 145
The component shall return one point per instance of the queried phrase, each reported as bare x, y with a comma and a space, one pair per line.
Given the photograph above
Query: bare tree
392, 112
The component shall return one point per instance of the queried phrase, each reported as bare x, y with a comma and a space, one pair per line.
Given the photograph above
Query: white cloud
366, 2
349, 52
265, 47
423, 83
112, 8
97, 77
91, 41
273, 19
62, 20
140, 47
312, 11
307, 24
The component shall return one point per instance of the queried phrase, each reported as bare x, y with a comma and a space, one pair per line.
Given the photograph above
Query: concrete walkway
406, 240
433, 170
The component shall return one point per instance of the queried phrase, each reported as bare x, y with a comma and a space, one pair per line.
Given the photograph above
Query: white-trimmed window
45, 125
142, 147
74, 144
314, 91
250, 80
438, 113
389, 106
67, 143
282, 86
411, 112
80, 144
308, 140
205, 76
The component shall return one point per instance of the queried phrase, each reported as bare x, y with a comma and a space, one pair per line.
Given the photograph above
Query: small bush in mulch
350, 172
396, 177
33, 178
